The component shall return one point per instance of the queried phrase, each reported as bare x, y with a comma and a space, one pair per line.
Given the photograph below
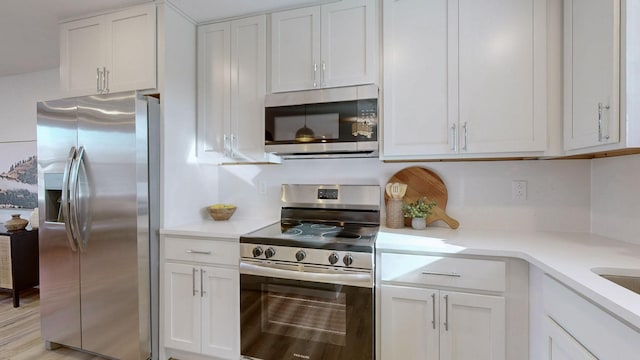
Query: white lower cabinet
562, 346
577, 329
200, 298
452, 308
434, 324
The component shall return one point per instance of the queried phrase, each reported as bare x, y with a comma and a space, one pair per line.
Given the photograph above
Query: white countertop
231, 228
568, 257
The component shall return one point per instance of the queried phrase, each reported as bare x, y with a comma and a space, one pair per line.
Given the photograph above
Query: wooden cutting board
424, 182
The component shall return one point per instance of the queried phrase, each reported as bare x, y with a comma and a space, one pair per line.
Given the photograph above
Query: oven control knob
300, 255
269, 252
347, 260
257, 251
333, 258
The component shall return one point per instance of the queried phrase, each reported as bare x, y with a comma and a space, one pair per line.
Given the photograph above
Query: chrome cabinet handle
234, 141
73, 191
454, 138
324, 68
433, 311
446, 312
601, 108
193, 280
198, 252
105, 78
202, 292
437, 273
315, 71
66, 218
466, 136
225, 145
98, 80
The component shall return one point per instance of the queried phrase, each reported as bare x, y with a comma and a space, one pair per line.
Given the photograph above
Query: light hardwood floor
20, 331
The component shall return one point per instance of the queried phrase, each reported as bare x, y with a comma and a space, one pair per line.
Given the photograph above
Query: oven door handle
340, 278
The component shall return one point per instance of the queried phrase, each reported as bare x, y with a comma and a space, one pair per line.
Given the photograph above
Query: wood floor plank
20, 331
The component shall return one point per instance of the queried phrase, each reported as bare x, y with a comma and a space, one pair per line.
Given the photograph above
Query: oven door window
291, 319
308, 314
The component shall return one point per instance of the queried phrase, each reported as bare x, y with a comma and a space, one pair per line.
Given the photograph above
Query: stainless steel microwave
338, 122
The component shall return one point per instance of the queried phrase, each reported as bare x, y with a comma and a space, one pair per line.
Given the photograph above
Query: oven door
286, 317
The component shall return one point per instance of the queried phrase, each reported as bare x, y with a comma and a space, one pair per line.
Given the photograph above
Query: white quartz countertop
231, 228
568, 257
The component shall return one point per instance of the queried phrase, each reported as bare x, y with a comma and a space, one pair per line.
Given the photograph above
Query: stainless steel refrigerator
98, 194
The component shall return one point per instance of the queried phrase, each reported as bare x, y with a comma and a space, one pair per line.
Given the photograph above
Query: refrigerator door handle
66, 218
74, 200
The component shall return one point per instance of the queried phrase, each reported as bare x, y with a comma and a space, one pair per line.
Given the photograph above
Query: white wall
188, 186
615, 197
479, 192
18, 97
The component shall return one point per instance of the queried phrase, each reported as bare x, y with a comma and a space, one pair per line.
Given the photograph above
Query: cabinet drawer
477, 274
205, 251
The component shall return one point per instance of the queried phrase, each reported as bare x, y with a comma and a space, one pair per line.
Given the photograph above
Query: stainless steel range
307, 283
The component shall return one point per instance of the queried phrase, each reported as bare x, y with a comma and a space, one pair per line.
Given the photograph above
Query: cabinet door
409, 318
221, 312
295, 49
420, 108
82, 53
472, 327
248, 86
131, 49
502, 75
214, 90
348, 43
591, 72
181, 307
562, 346
6, 275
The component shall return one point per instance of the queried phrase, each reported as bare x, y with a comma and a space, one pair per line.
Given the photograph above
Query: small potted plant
418, 212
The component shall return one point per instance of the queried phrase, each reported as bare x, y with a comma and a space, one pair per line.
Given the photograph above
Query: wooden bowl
221, 213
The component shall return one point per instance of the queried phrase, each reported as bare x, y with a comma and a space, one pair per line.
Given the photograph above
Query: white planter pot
418, 223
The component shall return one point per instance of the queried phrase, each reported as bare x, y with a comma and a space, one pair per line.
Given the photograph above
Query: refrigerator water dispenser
53, 197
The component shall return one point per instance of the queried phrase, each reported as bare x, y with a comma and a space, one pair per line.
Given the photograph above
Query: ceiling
29, 28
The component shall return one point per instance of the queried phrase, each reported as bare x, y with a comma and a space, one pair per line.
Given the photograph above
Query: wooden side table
19, 265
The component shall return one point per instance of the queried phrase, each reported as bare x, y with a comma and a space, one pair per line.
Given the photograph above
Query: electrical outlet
519, 190
262, 187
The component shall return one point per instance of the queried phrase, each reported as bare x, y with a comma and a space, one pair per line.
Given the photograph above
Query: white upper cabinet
295, 49
214, 90
109, 53
591, 73
464, 78
231, 89
324, 46
416, 81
